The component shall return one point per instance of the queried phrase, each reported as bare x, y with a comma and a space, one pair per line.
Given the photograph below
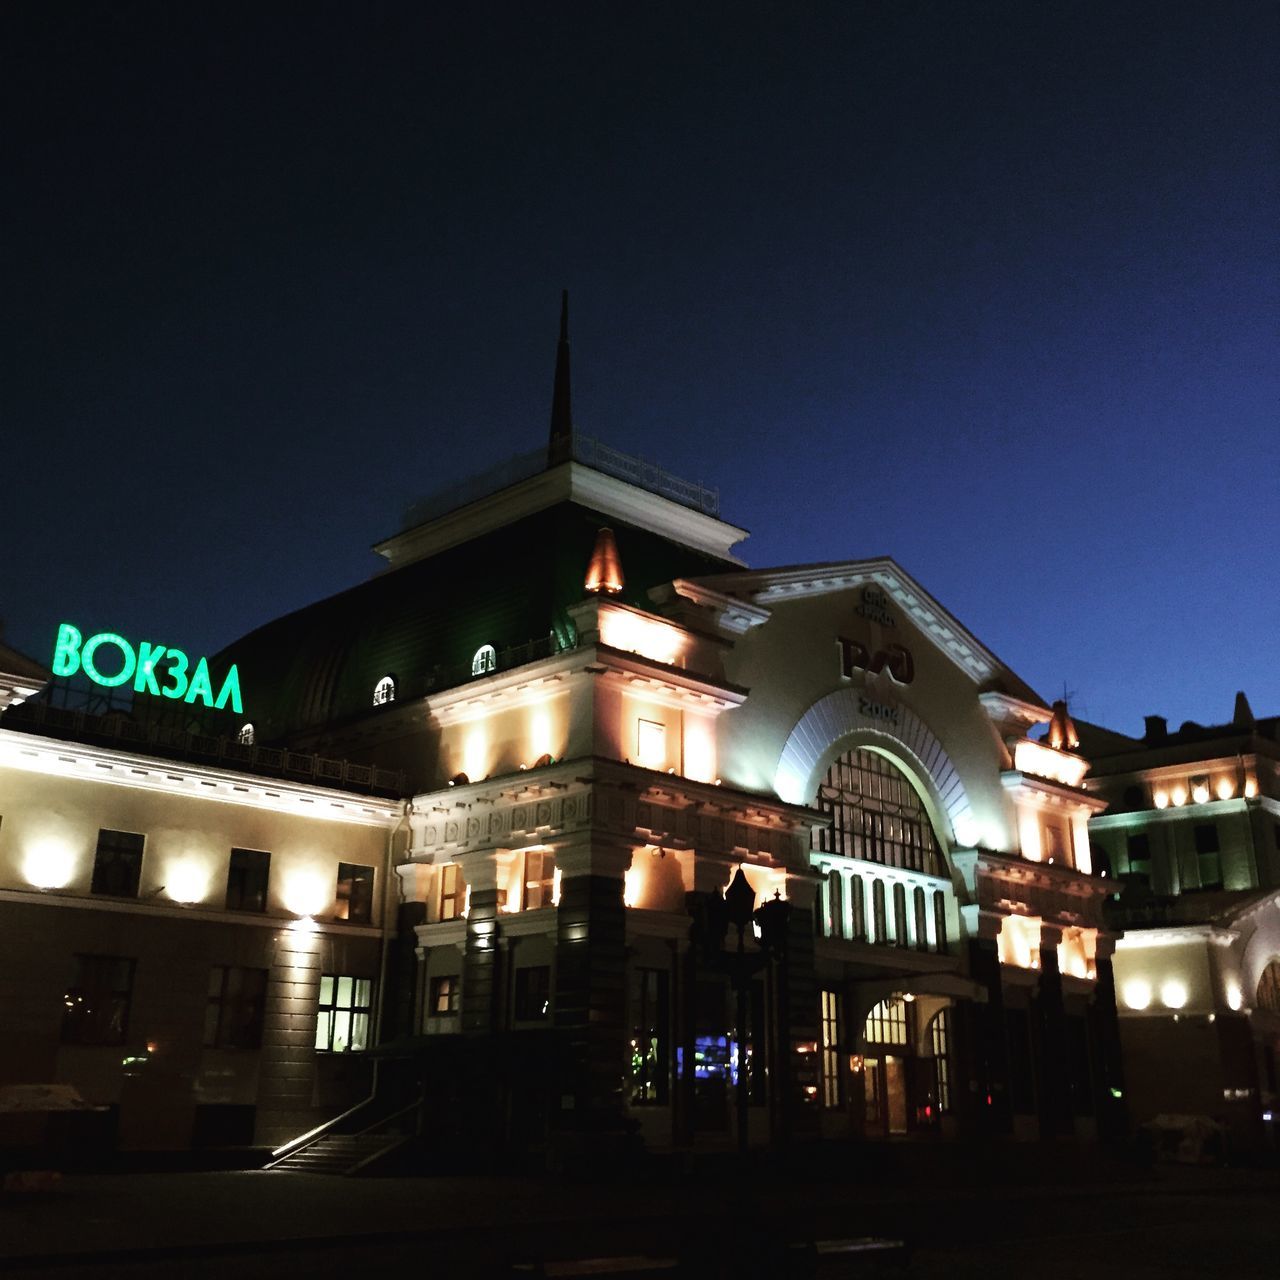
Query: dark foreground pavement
1169, 1222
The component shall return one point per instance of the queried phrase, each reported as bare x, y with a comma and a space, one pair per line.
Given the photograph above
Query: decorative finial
561, 442
1062, 733
604, 572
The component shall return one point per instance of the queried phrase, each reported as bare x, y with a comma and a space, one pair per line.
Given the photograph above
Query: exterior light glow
1225, 788
1136, 993
1200, 793
1235, 997
1044, 762
49, 864
1178, 795
1250, 788
1161, 799
631, 887
555, 887
1173, 994
640, 633
187, 881
305, 893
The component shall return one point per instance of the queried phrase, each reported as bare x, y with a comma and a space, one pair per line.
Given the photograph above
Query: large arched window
876, 814
1269, 988
940, 1051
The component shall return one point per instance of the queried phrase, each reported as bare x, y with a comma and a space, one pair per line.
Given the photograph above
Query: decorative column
480, 994
591, 984
1056, 1113
1113, 1113
799, 1083
986, 1036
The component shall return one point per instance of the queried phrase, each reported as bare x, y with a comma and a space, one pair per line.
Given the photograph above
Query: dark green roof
423, 623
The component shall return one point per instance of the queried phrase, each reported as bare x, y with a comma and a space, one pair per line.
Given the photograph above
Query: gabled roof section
767, 587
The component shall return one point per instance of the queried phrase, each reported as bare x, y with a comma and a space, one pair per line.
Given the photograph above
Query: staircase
340, 1153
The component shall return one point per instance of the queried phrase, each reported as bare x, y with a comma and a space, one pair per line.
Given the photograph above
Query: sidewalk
136, 1215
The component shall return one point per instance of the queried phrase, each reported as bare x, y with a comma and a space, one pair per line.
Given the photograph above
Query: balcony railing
584, 449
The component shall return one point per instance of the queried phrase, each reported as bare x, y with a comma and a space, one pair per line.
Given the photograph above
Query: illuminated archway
835, 723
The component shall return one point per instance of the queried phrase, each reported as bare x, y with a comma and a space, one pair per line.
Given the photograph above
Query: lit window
876, 814
237, 1001
887, 1022
650, 1021
831, 1091
1268, 997
533, 993
450, 892
484, 661
354, 901
95, 1007
445, 990
117, 864
651, 743
342, 1021
247, 880
539, 879
384, 691
940, 1046
245, 736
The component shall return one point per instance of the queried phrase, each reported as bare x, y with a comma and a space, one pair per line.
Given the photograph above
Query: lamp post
736, 908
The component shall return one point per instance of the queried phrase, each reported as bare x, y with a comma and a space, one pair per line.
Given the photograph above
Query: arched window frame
484, 661
888, 1023
246, 734
384, 692
1268, 996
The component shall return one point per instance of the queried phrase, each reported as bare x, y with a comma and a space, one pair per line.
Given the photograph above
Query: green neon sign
146, 666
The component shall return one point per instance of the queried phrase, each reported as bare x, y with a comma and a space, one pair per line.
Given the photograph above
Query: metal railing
584, 449
132, 735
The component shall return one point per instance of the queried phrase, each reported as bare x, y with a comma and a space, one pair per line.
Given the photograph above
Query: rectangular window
247, 880
835, 904
879, 923
858, 908
95, 1008
1207, 855
900, 928
450, 892
1138, 848
444, 993
533, 993
650, 1039
651, 744
940, 919
237, 1001
832, 1093
117, 864
1055, 845
539, 879
354, 902
342, 1021
921, 919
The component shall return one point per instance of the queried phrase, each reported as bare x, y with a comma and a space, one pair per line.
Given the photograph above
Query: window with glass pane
117, 864
444, 995
95, 1007
354, 901
901, 930
876, 814
1208, 856
451, 892
835, 905
940, 920
887, 1022
858, 908
237, 1001
533, 993
539, 879
921, 919
880, 923
831, 1082
247, 880
650, 1067
342, 1018
940, 1045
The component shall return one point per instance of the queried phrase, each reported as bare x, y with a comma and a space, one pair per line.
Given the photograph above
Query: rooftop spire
558, 448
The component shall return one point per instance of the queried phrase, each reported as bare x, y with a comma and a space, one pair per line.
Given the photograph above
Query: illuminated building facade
1191, 838
604, 718
191, 944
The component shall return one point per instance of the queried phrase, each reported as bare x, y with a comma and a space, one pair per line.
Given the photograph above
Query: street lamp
736, 908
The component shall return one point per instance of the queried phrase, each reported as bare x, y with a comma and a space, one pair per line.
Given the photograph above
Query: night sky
991, 288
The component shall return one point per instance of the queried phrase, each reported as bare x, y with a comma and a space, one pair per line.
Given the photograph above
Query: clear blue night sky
992, 288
